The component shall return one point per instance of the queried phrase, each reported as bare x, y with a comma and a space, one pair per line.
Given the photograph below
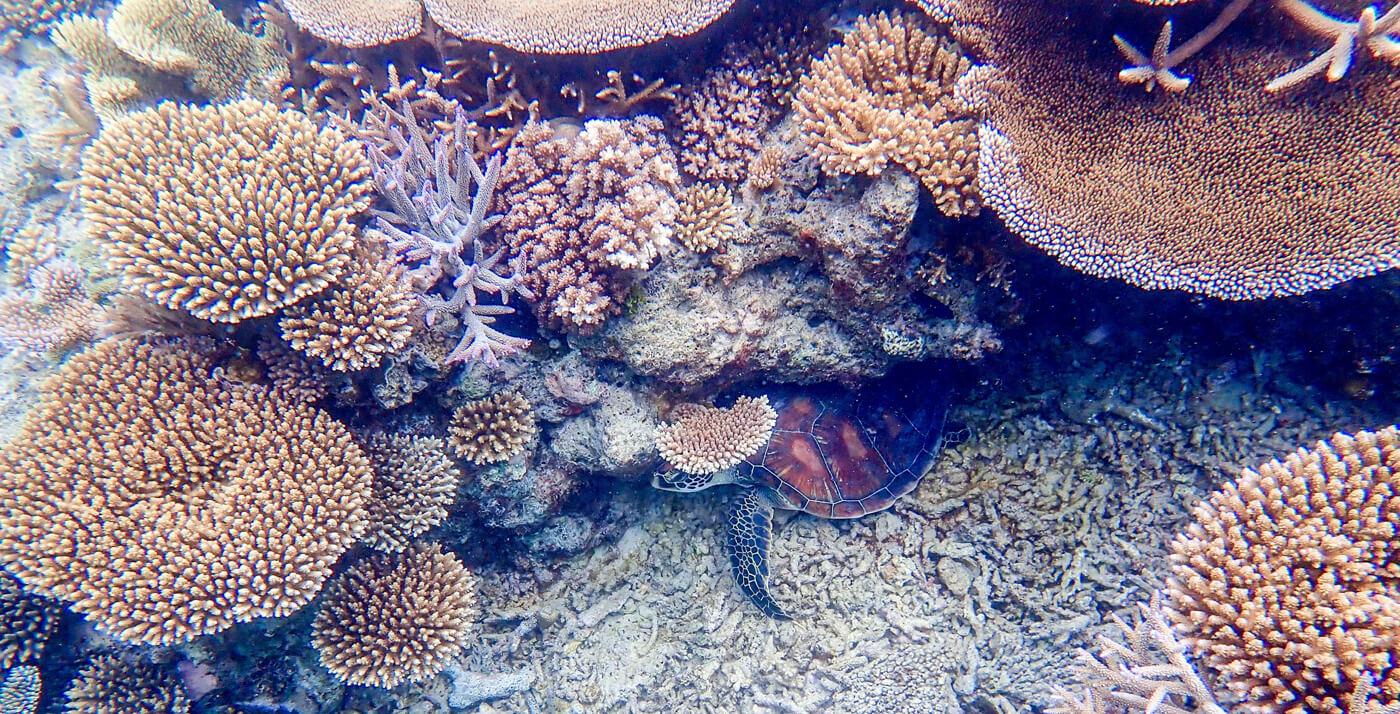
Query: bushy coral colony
347, 347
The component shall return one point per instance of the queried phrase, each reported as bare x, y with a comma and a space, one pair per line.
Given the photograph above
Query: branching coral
492, 430
1287, 584
355, 323
706, 218
703, 440
437, 198
148, 46
586, 212
227, 212
1225, 190
292, 372
397, 618
56, 312
20, 692
414, 484
888, 95
163, 500
26, 623
19, 18
113, 685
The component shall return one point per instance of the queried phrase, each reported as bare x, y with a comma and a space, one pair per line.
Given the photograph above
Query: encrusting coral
414, 484
397, 618
26, 623
703, 439
437, 198
493, 429
227, 212
359, 320
56, 312
706, 218
586, 212
1286, 585
111, 684
163, 500
1197, 191
148, 48
888, 94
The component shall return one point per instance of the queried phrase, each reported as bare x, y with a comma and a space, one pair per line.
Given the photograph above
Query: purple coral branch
438, 197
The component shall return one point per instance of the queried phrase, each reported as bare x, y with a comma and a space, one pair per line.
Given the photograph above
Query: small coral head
670, 479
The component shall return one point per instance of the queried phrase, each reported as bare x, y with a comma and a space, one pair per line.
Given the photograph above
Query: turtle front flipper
750, 525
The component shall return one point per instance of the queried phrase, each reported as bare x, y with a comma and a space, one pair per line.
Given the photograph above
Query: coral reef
492, 430
584, 213
227, 212
397, 618
706, 218
26, 623
112, 684
437, 198
19, 18
414, 485
573, 26
20, 692
352, 325
292, 372
54, 314
1286, 585
703, 440
888, 94
163, 500
358, 23
1122, 185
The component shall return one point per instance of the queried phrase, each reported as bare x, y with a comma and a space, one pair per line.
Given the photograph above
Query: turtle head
674, 479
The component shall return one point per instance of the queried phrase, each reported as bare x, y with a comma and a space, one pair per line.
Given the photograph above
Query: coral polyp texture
226, 212
1286, 584
358, 23
397, 618
26, 623
493, 429
573, 26
707, 218
23, 17
888, 95
414, 484
56, 312
163, 500
113, 685
21, 690
355, 323
1291, 194
703, 439
585, 212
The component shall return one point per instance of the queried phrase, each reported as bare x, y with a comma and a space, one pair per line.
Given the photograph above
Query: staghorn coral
437, 199
397, 618
358, 23
1198, 191
1286, 584
888, 95
26, 623
227, 212
356, 322
586, 212
573, 26
492, 430
56, 313
703, 440
414, 484
706, 218
1142, 668
20, 692
163, 501
719, 121
110, 684
19, 18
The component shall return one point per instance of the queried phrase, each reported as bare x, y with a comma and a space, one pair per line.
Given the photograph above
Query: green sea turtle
830, 453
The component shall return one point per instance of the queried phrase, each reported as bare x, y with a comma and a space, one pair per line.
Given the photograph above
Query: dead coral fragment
396, 619
887, 95
227, 212
573, 26
707, 218
112, 685
492, 430
1287, 584
703, 440
414, 484
164, 501
358, 321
